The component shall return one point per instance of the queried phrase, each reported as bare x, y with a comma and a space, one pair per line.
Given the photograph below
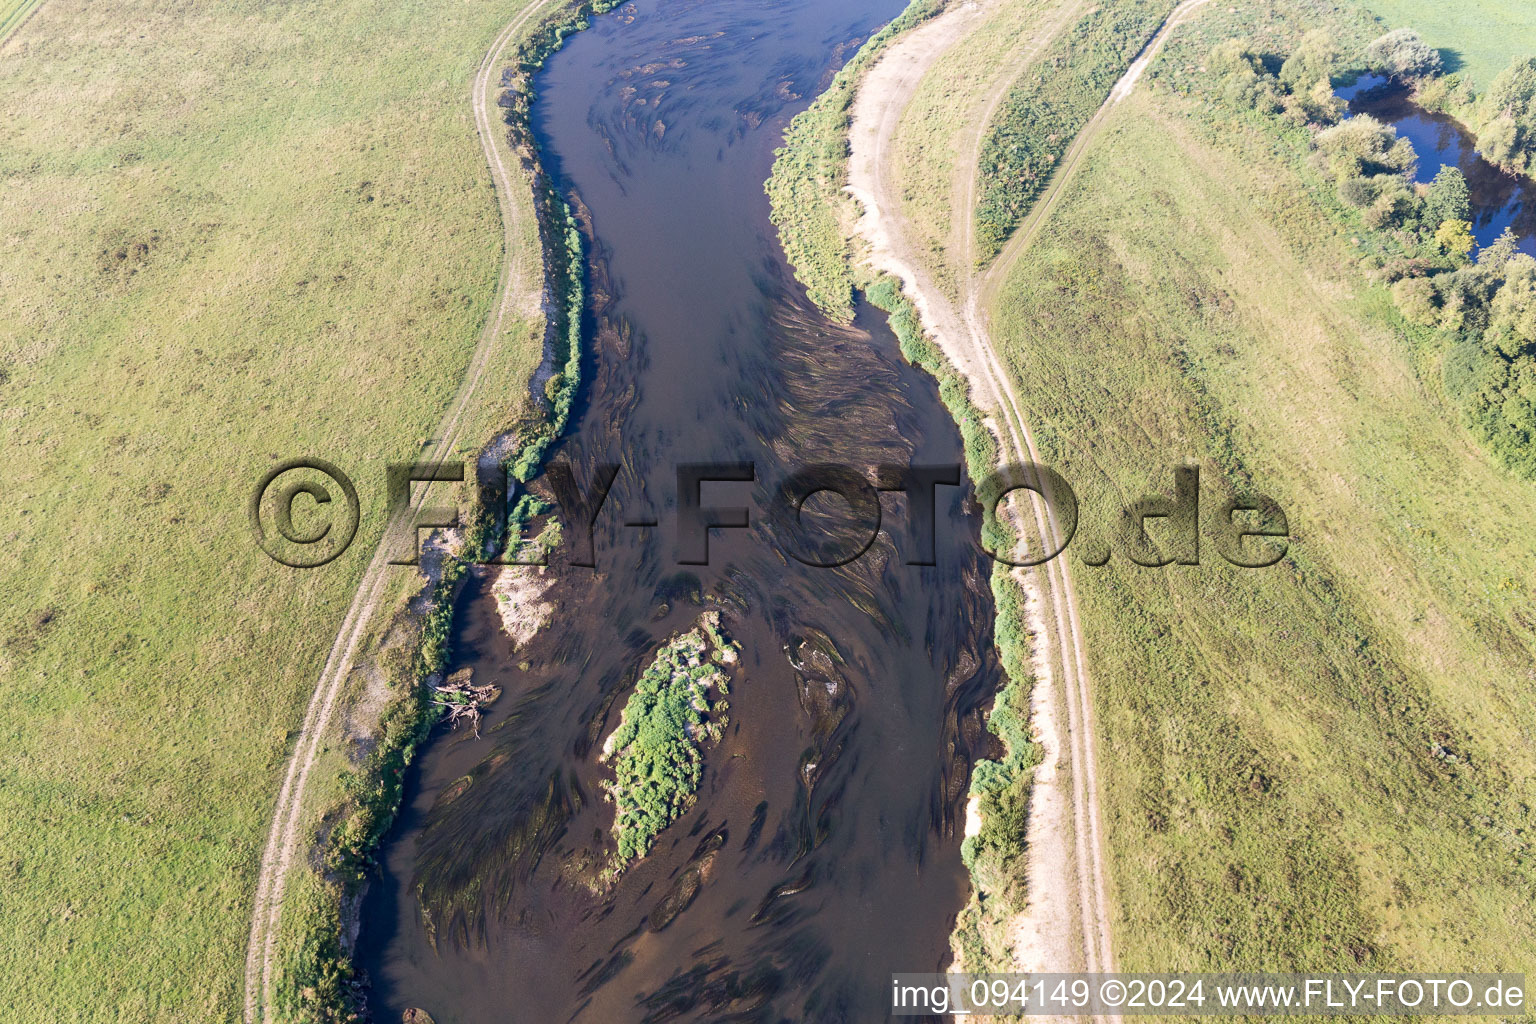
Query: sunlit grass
1482, 36
1324, 764
234, 234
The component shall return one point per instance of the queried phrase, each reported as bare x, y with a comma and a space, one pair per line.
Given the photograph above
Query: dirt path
1024, 235
1067, 924
519, 289
1021, 55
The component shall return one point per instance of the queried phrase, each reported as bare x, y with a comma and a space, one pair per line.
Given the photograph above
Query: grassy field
233, 235
932, 157
1481, 37
1326, 764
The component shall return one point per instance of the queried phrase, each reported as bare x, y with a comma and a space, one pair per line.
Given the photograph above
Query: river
1499, 200
823, 852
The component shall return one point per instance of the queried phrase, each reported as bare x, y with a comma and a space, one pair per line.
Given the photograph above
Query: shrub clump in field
1303, 89
1373, 171
1403, 55
678, 705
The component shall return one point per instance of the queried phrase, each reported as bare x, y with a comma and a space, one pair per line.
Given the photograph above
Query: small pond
1499, 200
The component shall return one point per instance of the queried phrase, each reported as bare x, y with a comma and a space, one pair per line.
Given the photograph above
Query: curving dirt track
1067, 925
519, 289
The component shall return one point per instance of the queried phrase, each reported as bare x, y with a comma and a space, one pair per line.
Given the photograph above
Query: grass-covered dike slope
1046, 109
1324, 765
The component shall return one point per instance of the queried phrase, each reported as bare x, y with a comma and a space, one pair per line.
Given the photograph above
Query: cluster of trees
1489, 308
1486, 307
1372, 169
1370, 166
657, 759
1505, 117
1302, 90
1507, 132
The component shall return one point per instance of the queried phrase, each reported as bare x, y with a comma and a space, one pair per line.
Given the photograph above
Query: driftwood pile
463, 700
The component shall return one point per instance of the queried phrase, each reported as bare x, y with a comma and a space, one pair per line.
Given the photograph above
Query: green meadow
234, 234
1325, 764
1481, 37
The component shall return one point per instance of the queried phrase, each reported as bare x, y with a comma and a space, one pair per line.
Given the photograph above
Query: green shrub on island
657, 748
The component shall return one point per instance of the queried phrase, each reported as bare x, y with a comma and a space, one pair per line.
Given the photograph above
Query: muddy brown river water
823, 852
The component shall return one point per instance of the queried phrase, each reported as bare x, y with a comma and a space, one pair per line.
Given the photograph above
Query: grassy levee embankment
234, 235
1326, 764
934, 155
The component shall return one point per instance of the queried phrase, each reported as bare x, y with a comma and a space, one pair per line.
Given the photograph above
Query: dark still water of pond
823, 852
1499, 200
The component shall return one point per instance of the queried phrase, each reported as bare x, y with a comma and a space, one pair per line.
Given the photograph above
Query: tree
1402, 54
1508, 137
1512, 313
1316, 57
1363, 146
1497, 256
1455, 237
1514, 92
1245, 83
1448, 197
1393, 203
1502, 143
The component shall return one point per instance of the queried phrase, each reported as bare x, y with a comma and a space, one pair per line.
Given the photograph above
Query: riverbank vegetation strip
995, 855
1263, 730
813, 215
316, 980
